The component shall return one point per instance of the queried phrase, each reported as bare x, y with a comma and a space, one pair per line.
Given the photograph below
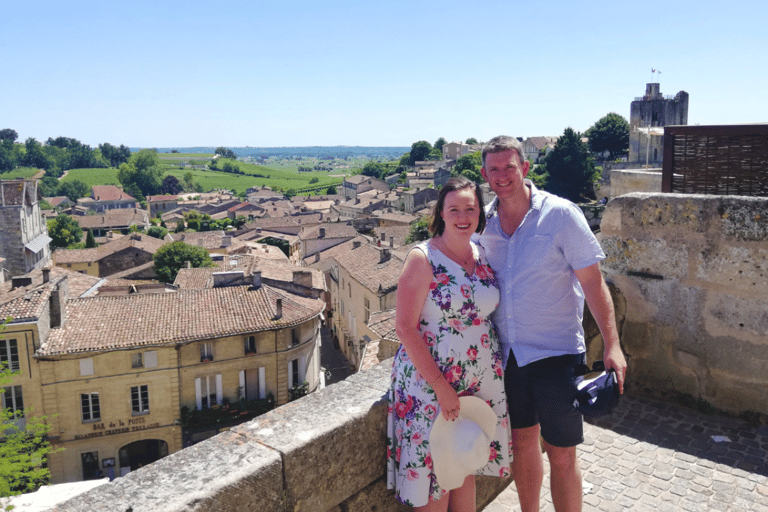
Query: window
294, 373
140, 399
13, 401
367, 309
90, 462
208, 391
206, 352
9, 355
90, 406
137, 361
250, 345
294, 337
349, 286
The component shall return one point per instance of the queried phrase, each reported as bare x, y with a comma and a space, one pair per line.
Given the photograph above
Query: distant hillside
302, 152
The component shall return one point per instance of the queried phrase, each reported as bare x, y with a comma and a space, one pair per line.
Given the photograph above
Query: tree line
58, 154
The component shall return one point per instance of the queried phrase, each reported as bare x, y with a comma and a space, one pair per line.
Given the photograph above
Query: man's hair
437, 224
503, 143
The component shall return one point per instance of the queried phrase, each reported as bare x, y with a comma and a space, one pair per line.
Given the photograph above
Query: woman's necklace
467, 262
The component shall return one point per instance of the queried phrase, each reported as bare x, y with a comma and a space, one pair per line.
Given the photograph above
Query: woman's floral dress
455, 323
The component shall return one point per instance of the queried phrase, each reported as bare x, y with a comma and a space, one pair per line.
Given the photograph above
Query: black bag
598, 390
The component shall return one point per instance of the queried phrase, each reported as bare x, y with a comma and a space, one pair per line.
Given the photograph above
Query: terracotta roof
399, 233
57, 200
275, 270
332, 230
383, 324
146, 243
363, 265
109, 193
370, 355
28, 304
113, 218
163, 197
124, 322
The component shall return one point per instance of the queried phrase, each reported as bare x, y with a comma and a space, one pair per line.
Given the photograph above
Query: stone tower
655, 111
24, 242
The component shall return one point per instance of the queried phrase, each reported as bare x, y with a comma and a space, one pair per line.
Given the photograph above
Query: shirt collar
537, 200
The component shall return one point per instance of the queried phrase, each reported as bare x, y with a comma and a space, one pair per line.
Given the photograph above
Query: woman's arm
412, 291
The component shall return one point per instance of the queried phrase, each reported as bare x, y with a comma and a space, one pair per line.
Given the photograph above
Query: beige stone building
362, 281
112, 373
116, 256
24, 242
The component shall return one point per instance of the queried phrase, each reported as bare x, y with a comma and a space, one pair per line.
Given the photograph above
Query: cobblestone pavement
651, 456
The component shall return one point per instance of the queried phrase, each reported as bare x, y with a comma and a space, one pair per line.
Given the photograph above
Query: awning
39, 243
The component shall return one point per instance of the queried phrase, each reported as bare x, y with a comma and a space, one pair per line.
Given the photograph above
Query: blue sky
298, 73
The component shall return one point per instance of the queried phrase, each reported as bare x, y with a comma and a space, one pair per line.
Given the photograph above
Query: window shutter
150, 359
242, 384
219, 393
303, 368
290, 374
198, 394
262, 382
86, 367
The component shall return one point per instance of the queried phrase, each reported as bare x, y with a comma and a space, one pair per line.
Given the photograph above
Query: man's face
504, 172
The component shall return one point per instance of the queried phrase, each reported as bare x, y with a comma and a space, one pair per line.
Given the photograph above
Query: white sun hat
461, 447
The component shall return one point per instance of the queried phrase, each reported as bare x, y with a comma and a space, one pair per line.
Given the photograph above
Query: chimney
225, 278
188, 264
385, 256
383, 237
256, 279
322, 233
226, 240
302, 278
317, 257
355, 244
278, 309
391, 241
19, 282
58, 301
46, 274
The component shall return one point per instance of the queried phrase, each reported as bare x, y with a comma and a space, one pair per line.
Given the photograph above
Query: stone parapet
324, 452
693, 270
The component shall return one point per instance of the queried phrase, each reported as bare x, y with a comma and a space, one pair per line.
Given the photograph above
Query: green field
19, 172
254, 175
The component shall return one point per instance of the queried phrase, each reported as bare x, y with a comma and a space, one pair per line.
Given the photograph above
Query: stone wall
624, 181
324, 452
693, 270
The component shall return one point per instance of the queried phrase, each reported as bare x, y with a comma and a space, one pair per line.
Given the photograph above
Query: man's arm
601, 305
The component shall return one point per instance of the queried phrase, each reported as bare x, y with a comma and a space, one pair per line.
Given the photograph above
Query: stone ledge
324, 452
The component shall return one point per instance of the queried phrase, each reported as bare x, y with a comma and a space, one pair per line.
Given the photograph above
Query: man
546, 260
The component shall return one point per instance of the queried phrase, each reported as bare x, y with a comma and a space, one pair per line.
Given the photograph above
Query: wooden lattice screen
719, 160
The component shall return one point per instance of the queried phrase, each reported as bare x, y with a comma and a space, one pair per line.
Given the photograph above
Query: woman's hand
447, 399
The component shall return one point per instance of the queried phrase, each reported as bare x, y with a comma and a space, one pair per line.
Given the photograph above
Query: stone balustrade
324, 452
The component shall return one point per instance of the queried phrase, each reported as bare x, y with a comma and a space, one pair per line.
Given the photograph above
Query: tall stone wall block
332, 442
227, 473
738, 317
744, 218
741, 267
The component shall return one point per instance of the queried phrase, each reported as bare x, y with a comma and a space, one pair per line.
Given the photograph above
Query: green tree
290, 193
471, 140
469, 166
172, 257
372, 169
418, 231
157, 232
8, 134
189, 182
73, 189
9, 155
24, 448
143, 170
571, 168
114, 155
439, 143
331, 191
35, 156
64, 231
610, 133
419, 152
435, 154
226, 153
171, 185
90, 240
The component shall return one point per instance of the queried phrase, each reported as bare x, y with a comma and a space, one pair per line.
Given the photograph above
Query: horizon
300, 74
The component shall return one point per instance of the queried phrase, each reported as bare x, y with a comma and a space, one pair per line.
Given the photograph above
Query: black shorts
542, 392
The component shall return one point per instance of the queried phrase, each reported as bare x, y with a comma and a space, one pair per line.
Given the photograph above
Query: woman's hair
437, 224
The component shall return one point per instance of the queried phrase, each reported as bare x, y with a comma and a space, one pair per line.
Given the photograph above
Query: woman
445, 295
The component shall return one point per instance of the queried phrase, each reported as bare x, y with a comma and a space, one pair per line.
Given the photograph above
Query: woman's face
461, 212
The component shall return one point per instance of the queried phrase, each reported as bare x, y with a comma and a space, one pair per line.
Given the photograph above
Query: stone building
354, 185
113, 374
654, 111
107, 197
24, 242
116, 256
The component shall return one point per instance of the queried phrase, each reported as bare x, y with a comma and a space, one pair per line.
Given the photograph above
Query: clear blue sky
299, 73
